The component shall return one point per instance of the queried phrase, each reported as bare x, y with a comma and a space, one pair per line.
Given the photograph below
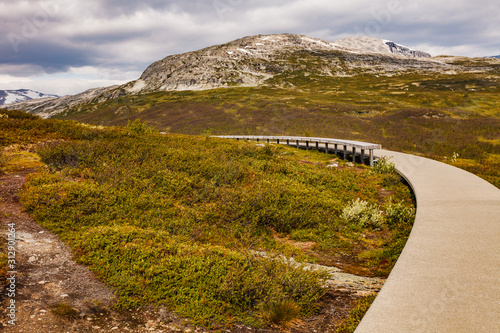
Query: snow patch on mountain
21, 95
374, 45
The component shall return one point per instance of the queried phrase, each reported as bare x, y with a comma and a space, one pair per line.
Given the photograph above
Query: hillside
256, 61
166, 226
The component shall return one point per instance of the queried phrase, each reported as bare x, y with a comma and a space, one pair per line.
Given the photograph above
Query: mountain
262, 60
15, 96
497, 57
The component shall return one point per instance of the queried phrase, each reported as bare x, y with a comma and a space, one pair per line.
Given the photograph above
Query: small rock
64, 295
32, 258
114, 328
42, 282
41, 232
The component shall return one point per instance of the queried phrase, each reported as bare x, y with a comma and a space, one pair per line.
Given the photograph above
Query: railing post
345, 152
287, 142
298, 144
371, 157
307, 145
326, 147
353, 154
278, 141
336, 149
317, 145
362, 156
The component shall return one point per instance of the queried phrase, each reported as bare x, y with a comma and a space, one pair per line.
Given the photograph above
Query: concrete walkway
448, 277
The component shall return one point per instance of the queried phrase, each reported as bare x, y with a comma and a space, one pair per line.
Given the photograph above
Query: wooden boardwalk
329, 145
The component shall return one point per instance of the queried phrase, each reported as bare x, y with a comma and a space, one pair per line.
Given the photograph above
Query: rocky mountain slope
260, 60
15, 96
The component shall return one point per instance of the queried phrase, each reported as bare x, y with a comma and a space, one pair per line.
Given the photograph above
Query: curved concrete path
448, 277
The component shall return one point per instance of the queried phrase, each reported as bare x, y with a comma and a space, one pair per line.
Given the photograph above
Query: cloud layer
44, 43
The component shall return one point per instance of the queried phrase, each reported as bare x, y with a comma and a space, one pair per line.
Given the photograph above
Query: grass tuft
280, 313
64, 310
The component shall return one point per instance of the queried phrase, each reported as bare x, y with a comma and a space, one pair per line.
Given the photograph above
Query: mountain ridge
259, 60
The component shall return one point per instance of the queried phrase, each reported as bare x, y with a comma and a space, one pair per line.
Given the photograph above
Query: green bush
384, 166
399, 214
362, 214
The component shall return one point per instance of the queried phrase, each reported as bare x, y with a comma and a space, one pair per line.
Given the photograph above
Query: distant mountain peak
21, 95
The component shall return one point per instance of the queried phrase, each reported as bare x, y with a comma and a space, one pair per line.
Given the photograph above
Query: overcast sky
67, 46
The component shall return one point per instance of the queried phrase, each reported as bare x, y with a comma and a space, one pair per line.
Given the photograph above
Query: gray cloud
53, 36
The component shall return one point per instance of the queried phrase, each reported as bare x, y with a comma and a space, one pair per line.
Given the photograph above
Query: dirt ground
55, 294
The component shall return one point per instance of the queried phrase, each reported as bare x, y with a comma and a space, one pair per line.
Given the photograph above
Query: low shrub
384, 166
362, 214
399, 214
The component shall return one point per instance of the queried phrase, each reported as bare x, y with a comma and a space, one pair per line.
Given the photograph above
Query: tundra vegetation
175, 220
451, 117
